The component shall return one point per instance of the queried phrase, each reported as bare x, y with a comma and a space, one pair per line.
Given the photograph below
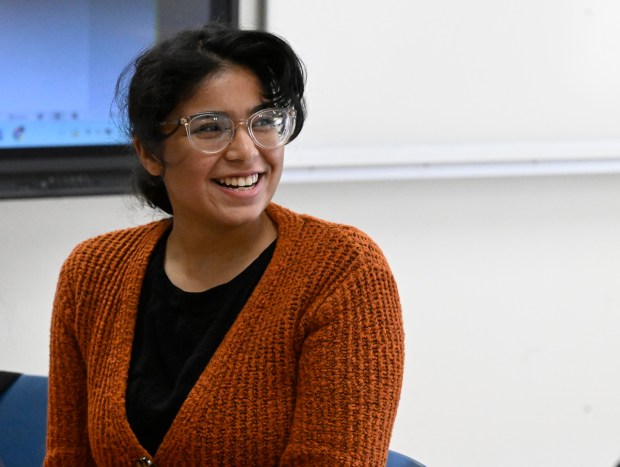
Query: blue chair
396, 459
23, 420
23, 423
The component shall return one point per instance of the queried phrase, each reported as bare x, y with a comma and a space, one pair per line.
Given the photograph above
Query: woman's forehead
232, 90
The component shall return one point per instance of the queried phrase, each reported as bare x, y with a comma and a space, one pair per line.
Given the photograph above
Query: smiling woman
196, 183
233, 332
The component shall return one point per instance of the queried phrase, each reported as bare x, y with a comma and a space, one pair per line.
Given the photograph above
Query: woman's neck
200, 259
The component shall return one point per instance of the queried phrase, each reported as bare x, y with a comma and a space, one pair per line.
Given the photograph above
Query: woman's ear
150, 163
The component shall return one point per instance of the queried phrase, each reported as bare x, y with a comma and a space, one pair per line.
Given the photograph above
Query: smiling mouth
238, 183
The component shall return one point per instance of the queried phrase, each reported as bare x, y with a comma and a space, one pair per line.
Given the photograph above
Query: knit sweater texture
309, 374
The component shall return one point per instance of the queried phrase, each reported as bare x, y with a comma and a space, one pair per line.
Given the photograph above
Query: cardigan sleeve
67, 433
349, 375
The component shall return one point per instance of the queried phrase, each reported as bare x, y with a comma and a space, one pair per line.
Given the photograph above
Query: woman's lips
238, 182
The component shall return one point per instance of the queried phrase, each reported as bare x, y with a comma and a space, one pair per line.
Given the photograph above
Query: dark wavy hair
168, 73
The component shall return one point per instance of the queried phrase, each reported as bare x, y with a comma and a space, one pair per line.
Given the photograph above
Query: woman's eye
207, 129
266, 123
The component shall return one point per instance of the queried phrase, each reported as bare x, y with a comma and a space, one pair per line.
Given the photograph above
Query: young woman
233, 332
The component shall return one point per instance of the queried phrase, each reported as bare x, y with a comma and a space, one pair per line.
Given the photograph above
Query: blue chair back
23, 421
396, 459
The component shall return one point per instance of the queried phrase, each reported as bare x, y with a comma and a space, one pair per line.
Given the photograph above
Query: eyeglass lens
268, 128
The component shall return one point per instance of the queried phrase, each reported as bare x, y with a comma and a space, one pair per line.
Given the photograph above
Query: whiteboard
402, 82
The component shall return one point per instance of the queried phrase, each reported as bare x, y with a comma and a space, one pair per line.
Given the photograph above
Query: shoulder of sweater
330, 238
117, 245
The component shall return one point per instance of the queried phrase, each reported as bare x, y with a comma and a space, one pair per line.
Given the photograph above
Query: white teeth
239, 182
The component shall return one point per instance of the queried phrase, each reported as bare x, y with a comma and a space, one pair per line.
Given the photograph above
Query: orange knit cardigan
308, 375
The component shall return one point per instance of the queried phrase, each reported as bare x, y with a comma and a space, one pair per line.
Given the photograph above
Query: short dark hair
165, 75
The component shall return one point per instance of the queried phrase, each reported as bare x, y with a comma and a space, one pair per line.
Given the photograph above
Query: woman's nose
242, 147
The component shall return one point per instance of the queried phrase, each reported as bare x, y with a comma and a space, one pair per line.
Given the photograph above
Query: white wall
511, 296
409, 72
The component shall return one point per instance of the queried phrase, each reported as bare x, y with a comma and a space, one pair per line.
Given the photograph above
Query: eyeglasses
212, 132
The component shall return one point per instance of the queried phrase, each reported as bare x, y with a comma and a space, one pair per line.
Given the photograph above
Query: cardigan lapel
132, 287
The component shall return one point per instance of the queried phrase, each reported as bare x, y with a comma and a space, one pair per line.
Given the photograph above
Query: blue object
396, 459
23, 422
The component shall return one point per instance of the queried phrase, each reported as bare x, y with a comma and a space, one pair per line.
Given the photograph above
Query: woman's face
206, 188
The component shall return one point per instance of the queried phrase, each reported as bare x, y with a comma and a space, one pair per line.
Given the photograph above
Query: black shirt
176, 335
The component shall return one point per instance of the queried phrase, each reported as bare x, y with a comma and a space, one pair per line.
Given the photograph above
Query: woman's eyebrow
264, 105
253, 110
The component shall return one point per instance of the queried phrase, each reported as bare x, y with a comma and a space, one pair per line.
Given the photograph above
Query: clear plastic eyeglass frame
222, 142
